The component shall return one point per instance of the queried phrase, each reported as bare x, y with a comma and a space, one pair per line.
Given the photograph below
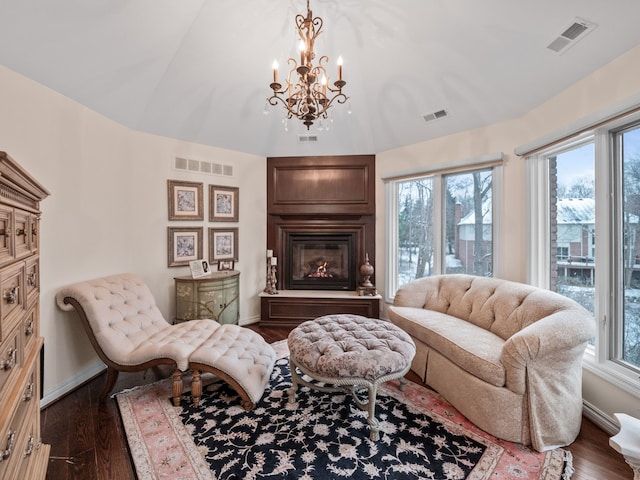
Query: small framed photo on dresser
225, 265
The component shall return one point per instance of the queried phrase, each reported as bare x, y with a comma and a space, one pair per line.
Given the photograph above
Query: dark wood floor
88, 442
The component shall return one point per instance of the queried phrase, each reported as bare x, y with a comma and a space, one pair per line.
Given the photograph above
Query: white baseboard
600, 418
61, 390
249, 321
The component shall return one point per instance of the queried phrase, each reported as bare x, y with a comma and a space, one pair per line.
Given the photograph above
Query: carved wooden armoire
22, 453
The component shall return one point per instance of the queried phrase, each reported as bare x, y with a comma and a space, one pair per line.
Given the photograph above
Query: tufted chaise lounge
129, 333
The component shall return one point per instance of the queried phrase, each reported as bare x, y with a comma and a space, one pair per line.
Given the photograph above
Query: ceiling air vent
307, 138
576, 31
200, 166
435, 115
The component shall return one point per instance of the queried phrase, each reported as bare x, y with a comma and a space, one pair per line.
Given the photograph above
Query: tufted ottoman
240, 357
351, 353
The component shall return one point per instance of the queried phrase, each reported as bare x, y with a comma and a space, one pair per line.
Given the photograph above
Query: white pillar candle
269, 253
274, 260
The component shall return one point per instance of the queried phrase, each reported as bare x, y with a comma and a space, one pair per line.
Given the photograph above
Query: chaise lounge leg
196, 387
176, 388
112, 376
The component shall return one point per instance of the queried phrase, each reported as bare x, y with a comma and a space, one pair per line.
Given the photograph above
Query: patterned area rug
321, 436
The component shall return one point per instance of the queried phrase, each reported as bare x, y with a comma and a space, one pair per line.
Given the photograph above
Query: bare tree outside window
467, 225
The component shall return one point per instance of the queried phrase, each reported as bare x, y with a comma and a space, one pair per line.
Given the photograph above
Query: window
440, 223
578, 188
626, 143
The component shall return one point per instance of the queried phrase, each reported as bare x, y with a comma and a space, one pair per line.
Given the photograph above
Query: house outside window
583, 186
441, 223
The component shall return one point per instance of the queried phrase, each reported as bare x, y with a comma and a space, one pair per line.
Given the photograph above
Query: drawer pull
5, 233
28, 393
29, 449
28, 330
10, 362
20, 233
11, 439
31, 279
12, 295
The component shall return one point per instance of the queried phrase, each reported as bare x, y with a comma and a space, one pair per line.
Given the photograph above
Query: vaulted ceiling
199, 70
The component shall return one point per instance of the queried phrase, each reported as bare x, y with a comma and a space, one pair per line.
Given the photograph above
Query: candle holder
271, 280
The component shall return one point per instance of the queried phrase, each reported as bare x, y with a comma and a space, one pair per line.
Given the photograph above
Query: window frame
599, 358
438, 177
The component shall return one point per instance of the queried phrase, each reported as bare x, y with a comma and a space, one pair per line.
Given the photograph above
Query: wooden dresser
22, 453
215, 296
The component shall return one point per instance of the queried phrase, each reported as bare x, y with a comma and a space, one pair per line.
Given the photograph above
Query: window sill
613, 374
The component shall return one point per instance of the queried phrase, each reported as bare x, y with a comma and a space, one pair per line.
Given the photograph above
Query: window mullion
439, 224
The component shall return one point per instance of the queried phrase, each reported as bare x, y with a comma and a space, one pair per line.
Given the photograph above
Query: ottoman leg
294, 381
176, 387
374, 426
403, 384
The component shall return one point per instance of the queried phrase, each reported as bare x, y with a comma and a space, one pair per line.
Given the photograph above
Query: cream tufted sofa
507, 355
129, 333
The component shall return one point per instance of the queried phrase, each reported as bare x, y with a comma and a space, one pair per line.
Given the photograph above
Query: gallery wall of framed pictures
186, 203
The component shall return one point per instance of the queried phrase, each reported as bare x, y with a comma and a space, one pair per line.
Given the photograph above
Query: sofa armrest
549, 344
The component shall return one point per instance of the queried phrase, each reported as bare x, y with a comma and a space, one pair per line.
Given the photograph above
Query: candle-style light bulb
340, 67
302, 47
275, 71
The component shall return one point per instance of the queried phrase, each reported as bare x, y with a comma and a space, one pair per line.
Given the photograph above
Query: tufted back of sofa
120, 309
500, 306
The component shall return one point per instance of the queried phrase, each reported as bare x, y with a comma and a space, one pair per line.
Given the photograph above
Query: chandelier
309, 96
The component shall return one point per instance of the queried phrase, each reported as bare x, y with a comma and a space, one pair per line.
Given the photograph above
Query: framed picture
223, 244
199, 268
185, 200
184, 245
224, 265
223, 203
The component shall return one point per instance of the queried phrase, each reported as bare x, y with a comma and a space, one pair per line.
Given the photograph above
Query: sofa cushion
472, 348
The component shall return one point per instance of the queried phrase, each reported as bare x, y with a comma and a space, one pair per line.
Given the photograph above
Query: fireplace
320, 261
321, 225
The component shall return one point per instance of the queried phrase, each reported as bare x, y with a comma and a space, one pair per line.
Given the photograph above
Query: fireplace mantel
320, 195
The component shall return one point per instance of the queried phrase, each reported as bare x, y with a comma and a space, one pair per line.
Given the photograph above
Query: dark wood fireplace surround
319, 195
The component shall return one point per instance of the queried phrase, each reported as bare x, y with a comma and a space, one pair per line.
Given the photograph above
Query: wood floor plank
88, 442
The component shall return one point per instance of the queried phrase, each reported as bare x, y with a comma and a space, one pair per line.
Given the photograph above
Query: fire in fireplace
320, 262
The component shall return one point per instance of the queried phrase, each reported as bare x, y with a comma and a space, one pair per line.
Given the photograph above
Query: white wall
608, 86
107, 212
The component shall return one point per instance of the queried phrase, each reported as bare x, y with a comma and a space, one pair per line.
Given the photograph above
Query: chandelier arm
340, 98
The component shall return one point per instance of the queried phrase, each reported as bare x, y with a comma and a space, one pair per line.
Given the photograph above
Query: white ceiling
199, 70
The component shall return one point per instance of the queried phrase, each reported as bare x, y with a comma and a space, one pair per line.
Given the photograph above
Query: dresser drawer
32, 279
6, 234
14, 440
29, 443
11, 297
35, 233
30, 329
21, 233
10, 360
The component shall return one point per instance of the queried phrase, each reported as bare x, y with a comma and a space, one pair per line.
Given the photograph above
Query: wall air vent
200, 166
435, 115
572, 34
307, 138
